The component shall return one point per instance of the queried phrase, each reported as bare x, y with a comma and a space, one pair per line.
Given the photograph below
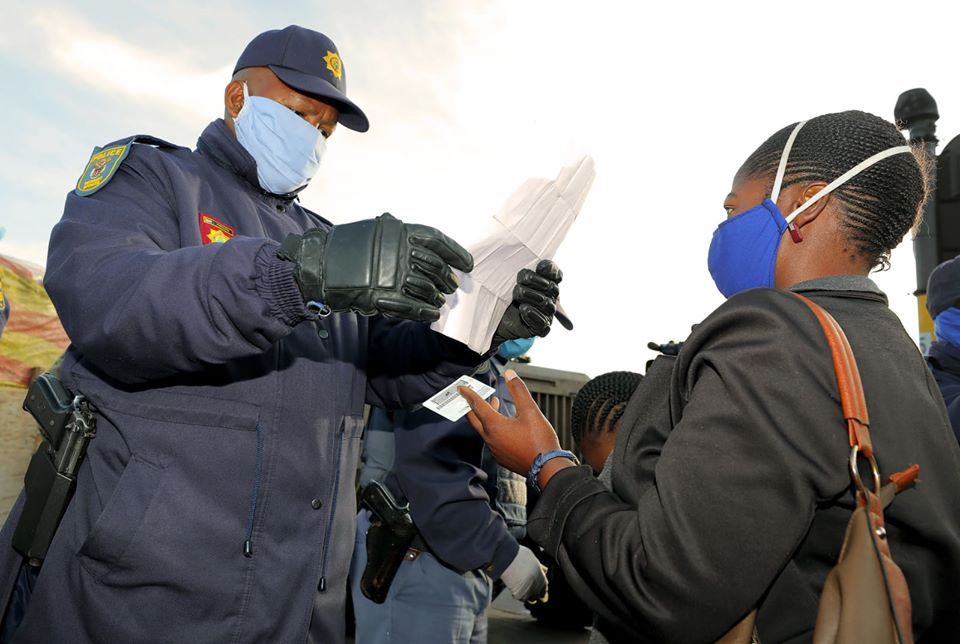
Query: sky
468, 98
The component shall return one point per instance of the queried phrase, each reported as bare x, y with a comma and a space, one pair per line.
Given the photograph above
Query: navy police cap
308, 62
943, 287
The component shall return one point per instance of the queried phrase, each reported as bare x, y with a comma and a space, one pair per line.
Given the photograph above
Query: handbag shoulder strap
854, 405
852, 400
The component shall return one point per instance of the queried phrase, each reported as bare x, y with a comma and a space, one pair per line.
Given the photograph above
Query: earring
795, 233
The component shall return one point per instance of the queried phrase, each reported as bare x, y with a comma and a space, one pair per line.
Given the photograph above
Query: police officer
469, 514
214, 326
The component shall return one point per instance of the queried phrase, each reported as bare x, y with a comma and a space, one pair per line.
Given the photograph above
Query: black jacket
730, 478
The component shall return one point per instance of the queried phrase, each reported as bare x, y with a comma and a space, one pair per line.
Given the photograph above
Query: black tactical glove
377, 266
534, 303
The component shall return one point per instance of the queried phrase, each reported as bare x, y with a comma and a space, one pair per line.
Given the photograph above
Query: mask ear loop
778, 181
246, 96
843, 178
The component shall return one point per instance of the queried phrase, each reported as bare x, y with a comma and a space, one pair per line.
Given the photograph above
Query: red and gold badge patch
214, 231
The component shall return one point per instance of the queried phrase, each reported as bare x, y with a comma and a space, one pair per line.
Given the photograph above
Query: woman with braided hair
730, 489
596, 413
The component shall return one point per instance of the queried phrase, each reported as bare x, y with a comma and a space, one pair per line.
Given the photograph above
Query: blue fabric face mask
947, 326
286, 148
515, 348
743, 252
744, 249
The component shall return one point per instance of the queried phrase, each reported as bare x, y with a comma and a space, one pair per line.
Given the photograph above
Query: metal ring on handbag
857, 480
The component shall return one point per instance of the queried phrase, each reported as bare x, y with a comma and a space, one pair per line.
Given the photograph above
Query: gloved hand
525, 577
376, 266
534, 303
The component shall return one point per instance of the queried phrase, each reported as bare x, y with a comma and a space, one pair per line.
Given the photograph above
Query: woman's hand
515, 442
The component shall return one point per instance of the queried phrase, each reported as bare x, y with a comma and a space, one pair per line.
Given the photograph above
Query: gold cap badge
333, 63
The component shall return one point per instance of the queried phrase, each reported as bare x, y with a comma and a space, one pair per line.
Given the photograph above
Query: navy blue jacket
438, 470
228, 417
943, 359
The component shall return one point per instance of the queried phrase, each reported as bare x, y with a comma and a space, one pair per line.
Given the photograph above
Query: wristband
542, 459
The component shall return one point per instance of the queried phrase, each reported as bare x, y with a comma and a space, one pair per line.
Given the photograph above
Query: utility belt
67, 425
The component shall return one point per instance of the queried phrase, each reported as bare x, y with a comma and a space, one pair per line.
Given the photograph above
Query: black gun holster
67, 425
389, 536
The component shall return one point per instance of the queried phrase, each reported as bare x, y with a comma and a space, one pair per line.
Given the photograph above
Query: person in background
943, 356
596, 413
594, 420
469, 513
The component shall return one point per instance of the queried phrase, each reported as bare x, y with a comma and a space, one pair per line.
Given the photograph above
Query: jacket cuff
503, 556
567, 489
276, 285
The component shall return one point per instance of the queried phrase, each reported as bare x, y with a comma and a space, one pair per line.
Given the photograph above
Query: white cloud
99, 59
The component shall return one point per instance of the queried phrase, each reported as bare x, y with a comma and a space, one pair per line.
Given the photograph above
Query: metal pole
916, 111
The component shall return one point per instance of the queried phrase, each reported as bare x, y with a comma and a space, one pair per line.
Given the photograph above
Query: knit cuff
276, 285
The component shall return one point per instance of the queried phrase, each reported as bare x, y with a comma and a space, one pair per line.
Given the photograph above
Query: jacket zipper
333, 511
252, 512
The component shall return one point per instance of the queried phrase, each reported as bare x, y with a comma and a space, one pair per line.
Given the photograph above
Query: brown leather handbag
865, 597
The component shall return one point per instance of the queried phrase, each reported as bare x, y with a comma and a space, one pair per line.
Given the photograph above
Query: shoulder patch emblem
101, 167
214, 231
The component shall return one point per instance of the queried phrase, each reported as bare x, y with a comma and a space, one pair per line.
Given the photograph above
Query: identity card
450, 404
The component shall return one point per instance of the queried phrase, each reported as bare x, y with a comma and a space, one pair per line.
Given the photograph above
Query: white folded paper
529, 227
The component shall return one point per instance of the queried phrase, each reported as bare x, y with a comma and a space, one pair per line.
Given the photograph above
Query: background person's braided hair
881, 204
599, 404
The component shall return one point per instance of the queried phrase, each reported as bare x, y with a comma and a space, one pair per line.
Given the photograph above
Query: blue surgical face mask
286, 148
947, 326
515, 348
744, 249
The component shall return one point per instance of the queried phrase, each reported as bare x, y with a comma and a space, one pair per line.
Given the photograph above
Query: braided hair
881, 204
600, 403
